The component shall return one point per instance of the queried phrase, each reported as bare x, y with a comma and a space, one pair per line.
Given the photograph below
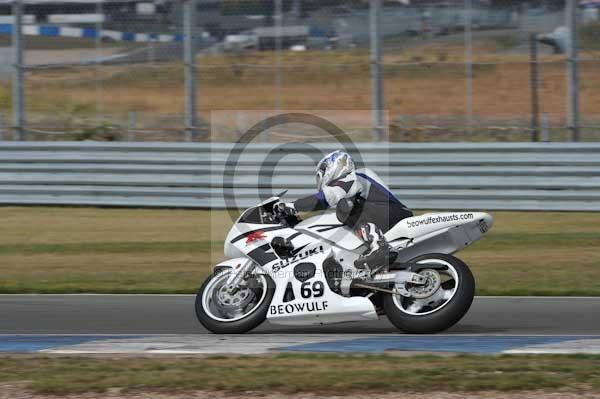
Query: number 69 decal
315, 290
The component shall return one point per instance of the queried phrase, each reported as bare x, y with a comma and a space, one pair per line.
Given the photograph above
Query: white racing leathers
373, 200
374, 212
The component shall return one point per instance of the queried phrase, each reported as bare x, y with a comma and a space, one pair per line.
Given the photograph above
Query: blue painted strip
88, 33
51, 31
34, 343
128, 36
6, 29
459, 344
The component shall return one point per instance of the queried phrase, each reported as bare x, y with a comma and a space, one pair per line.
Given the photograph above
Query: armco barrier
510, 176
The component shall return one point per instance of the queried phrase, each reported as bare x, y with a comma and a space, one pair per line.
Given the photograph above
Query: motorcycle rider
375, 209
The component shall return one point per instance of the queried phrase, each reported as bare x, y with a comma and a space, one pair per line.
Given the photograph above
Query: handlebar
285, 218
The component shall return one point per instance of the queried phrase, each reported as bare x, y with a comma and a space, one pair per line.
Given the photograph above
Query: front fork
239, 274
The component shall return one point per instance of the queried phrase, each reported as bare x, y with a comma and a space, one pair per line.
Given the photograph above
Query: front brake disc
227, 301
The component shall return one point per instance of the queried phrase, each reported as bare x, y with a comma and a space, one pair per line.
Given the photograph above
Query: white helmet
334, 166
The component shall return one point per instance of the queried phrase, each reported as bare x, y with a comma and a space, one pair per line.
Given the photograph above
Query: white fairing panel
438, 232
328, 227
300, 298
311, 301
253, 240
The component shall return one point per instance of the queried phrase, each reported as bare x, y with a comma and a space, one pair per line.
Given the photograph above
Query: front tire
224, 318
449, 303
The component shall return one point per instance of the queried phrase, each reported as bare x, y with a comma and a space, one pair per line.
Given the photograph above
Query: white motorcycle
296, 272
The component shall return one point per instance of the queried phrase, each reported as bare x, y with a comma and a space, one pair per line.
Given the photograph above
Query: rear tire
447, 314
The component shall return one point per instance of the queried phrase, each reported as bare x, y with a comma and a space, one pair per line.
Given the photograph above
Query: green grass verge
106, 247
72, 250
289, 373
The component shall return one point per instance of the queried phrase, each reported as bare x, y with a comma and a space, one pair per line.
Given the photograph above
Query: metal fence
432, 70
486, 176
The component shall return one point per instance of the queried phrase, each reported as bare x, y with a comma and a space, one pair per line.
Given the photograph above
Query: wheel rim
438, 299
220, 307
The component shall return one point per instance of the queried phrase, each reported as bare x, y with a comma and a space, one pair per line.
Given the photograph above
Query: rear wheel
437, 305
225, 311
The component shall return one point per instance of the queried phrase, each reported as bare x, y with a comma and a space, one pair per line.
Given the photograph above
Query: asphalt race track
174, 314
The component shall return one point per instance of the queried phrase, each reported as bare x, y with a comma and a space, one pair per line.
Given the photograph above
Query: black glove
283, 209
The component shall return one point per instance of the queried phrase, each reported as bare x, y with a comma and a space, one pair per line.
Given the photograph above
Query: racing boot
379, 253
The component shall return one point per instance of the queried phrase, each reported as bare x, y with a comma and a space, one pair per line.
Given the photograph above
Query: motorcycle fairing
445, 233
327, 226
301, 310
302, 299
245, 239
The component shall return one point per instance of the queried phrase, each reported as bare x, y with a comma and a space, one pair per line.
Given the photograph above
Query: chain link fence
468, 70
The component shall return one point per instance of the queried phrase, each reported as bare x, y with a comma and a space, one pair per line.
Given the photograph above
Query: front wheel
437, 305
223, 311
